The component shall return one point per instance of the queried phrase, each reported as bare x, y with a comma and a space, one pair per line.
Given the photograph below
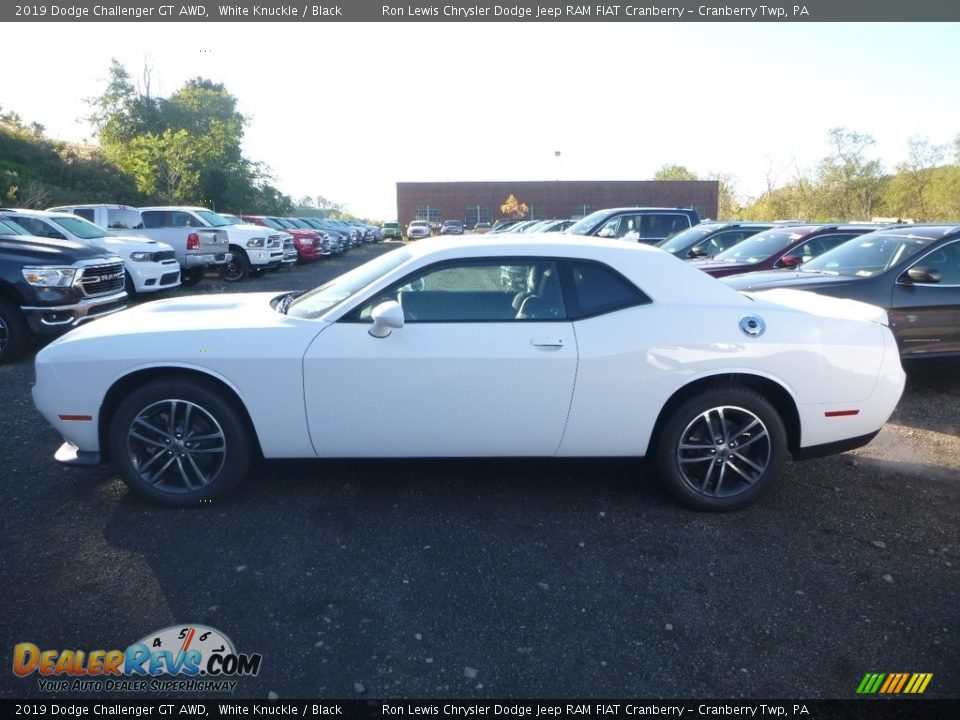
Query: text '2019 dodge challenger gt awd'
539, 346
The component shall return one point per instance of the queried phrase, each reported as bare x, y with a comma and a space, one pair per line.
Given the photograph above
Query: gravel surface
476, 579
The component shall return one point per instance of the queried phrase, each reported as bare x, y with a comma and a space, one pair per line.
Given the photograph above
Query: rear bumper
834, 448
202, 260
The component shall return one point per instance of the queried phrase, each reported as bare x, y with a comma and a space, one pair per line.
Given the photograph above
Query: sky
346, 110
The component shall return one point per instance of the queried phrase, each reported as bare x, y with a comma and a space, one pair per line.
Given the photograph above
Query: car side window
181, 219
85, 213
946, 261
154, 218
819, 245
720, 242
598, 289
659, 226
39, 228
485, 290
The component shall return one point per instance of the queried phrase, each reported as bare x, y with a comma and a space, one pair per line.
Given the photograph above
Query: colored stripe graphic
894, 683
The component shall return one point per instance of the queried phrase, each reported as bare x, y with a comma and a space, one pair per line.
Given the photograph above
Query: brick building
475, 202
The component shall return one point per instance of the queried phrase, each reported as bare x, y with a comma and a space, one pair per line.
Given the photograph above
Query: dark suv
636, 224
711, 238
49, 286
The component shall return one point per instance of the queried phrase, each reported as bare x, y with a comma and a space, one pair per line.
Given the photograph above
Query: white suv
418, 229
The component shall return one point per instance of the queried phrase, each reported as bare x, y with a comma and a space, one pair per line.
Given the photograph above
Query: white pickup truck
253, 247
196, 249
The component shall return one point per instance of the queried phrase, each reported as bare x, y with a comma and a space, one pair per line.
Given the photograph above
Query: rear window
122, 219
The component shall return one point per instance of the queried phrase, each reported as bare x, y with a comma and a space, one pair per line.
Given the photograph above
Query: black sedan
912, 271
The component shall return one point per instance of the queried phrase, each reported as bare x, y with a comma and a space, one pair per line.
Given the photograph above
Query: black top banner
482, 11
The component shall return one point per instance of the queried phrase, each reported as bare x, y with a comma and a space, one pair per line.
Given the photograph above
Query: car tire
191, 277
238, 268
13, 332
721, 449
166, 414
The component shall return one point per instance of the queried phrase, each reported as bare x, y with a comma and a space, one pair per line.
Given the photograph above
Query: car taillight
193, 241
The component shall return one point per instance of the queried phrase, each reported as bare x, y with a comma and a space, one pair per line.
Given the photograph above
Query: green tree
184, 148
848, 183
909, 192
674, 172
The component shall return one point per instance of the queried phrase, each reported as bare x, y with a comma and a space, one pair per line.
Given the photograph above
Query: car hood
785, 278
126, 244
820, 305
200, 316
717, 266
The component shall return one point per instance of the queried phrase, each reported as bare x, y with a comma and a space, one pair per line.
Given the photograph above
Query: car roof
931, 231
37, 213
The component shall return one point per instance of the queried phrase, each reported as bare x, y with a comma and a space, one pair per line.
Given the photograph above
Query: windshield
79, 227
212, 218
316, 302
683, 240
759, 247
586, 225
300, 224
867, 255
271, 223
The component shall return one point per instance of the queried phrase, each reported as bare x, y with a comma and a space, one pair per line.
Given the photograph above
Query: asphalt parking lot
499, 579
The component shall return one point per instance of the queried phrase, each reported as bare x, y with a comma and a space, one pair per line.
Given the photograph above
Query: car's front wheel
191, 276
179, 442
238, 268
721, 449
13, 331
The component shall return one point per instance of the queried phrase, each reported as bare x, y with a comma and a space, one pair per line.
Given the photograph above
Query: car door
483, 366
927, 315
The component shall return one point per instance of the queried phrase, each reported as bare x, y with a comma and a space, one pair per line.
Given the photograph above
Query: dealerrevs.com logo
178, 658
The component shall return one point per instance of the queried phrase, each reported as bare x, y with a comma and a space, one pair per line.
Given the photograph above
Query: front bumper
152, 276
58, 319
265, 258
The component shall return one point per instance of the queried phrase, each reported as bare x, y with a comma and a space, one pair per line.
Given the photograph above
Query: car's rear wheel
721, 449
179, 442
13, 331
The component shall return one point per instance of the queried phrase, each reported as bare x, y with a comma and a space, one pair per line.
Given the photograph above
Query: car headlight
142, 256
256, 242
49, 276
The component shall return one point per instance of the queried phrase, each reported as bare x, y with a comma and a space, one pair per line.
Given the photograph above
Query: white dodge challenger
536, 346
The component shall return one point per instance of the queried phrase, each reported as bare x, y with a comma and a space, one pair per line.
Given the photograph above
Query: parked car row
63, 267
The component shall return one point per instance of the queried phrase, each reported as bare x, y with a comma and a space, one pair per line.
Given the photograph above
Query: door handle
546, 342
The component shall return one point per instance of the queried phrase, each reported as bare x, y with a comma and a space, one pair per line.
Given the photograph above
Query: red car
780, 247
309, 244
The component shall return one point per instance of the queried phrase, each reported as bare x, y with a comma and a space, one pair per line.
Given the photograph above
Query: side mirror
387, 316
698, 251
789, 261
926, 276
